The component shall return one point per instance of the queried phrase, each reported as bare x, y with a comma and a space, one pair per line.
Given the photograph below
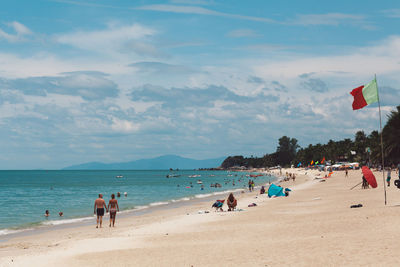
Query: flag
312, 162
298, 165
323, 160
316, 163
365, 95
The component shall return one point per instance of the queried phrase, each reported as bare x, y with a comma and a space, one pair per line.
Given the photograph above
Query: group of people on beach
289, 176
231, 201
100, 206
251, 185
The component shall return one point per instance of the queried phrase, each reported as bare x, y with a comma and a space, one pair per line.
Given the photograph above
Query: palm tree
391, 137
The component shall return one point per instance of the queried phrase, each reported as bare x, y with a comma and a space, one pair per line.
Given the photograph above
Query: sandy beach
314, 226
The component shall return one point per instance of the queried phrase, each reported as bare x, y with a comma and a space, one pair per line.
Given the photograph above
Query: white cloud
357, 65
21, 31
329, 19
124, 126
191, 2
242, 33
19, 28
392, 13
201, 11
115, 38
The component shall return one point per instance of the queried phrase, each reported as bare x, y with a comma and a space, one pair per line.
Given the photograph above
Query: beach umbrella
369, 176
275, 190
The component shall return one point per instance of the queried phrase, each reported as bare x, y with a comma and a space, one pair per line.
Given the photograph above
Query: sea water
25, 195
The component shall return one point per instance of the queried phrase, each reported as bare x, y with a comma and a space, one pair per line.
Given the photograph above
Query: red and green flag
365, 95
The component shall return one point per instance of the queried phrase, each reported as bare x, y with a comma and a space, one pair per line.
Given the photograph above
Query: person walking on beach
99, 206
346, 173
389, 176
113, 208
365, 184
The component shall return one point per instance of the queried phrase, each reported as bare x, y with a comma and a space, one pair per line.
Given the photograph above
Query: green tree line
363, 149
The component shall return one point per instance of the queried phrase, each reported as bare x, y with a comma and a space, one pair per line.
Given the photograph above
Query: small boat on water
173, 175
199, 182
194, 175
119, 176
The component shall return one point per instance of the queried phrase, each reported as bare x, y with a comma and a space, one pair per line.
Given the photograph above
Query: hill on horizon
159, 163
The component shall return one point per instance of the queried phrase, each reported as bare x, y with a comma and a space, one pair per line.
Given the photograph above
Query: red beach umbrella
369, 176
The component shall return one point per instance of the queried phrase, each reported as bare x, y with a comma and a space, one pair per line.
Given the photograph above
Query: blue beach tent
275, 190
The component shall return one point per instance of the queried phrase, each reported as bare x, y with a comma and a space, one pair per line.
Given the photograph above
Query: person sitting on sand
99, 205
262, 190
287, 190
47, 213
113, 209
218, 204
232, 202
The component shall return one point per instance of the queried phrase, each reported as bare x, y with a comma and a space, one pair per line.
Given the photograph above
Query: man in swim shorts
99, 206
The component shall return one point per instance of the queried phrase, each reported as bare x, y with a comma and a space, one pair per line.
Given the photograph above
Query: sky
119, 80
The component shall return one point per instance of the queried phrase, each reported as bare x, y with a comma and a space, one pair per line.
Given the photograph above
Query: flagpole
380, 125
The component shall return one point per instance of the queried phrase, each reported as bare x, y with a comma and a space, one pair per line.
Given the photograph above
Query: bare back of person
99, 206
113, 207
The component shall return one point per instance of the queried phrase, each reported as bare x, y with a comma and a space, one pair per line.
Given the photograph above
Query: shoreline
314, 226
53, 225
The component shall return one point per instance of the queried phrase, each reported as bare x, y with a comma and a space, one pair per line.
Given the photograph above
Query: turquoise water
25, 195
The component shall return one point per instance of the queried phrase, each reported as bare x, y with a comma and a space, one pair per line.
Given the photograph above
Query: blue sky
123, 80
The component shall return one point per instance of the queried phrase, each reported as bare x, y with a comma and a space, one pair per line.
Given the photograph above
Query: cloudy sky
120, 80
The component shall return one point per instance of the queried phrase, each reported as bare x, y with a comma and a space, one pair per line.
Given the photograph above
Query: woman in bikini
113, 208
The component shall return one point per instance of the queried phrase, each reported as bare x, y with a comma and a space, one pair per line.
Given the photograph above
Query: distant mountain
159, 163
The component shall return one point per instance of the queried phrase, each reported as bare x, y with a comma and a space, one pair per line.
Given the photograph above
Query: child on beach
388, 177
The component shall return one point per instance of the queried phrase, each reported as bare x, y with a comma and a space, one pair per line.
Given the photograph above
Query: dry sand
314, 226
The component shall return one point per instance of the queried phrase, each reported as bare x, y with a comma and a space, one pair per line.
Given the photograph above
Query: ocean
25, 195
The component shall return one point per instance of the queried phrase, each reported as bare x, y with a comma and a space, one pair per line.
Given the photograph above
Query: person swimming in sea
47, 213
60, 214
